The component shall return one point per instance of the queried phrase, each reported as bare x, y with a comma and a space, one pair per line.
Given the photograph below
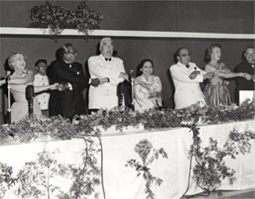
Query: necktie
108, 59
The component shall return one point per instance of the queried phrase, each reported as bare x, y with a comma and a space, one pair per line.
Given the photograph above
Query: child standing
19, 80
41, 79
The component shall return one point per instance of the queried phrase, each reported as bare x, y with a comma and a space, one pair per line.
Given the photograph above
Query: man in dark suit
246, 66
68, 100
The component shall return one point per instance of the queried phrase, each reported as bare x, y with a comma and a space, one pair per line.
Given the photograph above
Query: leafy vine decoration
144, 148
36, 179
57, 18
6, 179
36, 128
211, 169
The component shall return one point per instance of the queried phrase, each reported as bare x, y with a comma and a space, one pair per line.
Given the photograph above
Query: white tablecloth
121, 181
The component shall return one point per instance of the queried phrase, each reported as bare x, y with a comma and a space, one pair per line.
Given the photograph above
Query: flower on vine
143, 148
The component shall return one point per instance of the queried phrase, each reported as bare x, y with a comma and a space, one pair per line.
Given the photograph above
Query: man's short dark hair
40, 60
177, 53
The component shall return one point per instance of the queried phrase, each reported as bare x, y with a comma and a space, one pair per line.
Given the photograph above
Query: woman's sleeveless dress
19, 108
217, 93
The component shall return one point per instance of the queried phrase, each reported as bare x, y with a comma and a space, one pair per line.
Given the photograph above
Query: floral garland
144, 148
57, 18
41, 128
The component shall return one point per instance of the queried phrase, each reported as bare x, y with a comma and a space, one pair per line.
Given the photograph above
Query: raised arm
183, 76
60, 74
29, 77
48, 87
98, 69
230, 74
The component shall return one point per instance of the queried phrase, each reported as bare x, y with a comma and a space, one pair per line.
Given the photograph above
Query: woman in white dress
19, 80
147, 88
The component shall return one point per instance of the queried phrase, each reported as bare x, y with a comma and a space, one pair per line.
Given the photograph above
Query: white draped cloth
121, 181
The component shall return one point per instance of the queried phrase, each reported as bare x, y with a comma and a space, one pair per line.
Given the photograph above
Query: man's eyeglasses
185, 55
71, 52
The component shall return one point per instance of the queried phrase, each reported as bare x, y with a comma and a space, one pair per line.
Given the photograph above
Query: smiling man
68, 72
110, 71
247, 66
186, 77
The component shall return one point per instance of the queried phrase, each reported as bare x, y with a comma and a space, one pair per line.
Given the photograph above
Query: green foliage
148, 155
86, 177
211, 169
58, 18
35, 179
40, 128
6, 179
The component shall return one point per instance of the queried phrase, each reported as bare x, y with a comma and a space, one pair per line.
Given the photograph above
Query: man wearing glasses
186, 77
68, 100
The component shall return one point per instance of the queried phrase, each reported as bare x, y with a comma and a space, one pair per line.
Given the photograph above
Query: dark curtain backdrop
190, 16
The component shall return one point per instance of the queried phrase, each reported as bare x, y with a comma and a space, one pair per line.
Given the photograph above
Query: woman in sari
148, 87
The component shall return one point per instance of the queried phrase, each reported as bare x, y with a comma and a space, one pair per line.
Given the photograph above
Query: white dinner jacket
187, 91
105, 95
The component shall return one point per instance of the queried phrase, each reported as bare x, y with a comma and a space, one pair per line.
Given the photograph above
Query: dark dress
242, 83
216, 91
67, 103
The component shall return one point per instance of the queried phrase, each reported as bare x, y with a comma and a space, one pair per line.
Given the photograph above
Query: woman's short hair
209, 50
138, 70
13, 54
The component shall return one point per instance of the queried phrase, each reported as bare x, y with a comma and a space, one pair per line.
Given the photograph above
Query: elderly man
246, 66
110, 70
186, 77
68, 100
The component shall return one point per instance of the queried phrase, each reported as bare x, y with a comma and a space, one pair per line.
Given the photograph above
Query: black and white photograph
122, 99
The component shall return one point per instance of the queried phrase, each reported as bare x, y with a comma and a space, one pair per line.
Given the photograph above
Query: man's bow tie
108, 59
187, 66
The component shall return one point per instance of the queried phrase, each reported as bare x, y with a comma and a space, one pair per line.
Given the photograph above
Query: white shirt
43, 98
105, 95
187, 91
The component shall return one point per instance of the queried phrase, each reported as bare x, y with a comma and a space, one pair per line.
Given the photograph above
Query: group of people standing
62, 86
187, 77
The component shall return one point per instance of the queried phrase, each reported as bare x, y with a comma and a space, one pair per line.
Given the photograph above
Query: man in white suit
186, 77
110, 71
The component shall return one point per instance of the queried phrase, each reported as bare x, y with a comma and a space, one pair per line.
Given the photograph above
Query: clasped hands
152, 94
102, 80
99, 81
246, 76
64, 86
